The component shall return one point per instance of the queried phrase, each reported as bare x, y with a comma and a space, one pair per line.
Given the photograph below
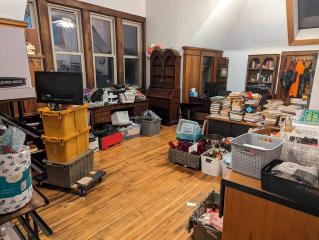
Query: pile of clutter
216, 103
15, 167
116, 94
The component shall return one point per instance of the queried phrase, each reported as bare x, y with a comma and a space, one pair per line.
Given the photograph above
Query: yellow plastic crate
65, 123
64, 150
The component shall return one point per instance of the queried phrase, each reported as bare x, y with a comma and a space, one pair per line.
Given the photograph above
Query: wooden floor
143, 197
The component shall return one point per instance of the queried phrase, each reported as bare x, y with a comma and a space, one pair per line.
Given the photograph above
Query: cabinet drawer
141, 107
161, 103
102, 117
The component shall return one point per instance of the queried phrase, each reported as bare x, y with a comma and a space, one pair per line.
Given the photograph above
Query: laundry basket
251, 152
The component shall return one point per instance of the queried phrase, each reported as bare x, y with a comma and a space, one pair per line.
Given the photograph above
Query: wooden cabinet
262, 70
202, 66
251, 213
164, 90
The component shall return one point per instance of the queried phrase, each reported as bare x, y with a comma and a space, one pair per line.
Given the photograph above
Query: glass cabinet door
207, 71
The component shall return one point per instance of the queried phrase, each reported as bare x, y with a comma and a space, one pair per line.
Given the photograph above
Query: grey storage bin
183, 158
65, 175
150, 128
251, 152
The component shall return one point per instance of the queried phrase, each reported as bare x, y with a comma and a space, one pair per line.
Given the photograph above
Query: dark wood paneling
45, 34
87, 47
120, 50
98, 9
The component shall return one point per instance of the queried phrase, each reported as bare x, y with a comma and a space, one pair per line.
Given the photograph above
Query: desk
230, 128
100, 115
251, 213
25, 214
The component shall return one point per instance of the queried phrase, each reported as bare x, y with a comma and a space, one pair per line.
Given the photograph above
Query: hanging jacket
300, 68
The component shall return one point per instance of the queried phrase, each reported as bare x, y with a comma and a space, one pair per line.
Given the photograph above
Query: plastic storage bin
188, 130
251, 152
211, 166
293, 190
64, 123
65, 175
186, 159
110, 140
65, 150
150, 128
201, 231
131, 131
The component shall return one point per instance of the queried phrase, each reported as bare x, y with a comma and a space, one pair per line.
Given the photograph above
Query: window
30, 16
103, 51
66, 40
132, 53
303, 22
308, 14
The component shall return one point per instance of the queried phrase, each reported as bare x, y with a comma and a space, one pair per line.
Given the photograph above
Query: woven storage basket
184, 158
251, 152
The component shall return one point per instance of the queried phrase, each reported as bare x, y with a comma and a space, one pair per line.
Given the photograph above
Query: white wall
136, 7
240, 28
12, 9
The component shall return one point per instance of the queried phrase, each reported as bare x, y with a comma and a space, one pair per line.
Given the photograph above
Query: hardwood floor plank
142, 197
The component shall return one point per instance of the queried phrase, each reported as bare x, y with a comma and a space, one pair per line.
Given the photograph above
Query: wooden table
251, 213
230, 128
100, 115
25, 214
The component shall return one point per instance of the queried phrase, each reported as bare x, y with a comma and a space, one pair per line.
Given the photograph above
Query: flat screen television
59, 87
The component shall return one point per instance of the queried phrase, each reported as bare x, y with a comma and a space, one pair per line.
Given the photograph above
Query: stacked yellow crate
66, 133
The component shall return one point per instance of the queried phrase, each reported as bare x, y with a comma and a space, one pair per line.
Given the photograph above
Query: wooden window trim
292, 41
86, 9
111, 20
12, 23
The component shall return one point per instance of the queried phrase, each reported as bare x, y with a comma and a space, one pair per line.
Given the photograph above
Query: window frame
113, 44
139, 51
53, 7
298, 36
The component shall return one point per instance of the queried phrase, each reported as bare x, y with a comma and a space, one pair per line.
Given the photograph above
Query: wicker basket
184, 158
251, 152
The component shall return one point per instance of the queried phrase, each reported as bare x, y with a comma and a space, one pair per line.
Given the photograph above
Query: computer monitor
59, 87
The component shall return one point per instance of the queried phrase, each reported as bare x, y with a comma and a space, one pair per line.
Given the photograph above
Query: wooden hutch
164, 90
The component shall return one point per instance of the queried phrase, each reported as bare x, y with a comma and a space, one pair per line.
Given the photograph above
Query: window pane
101, 36
28, 17
130, 34
64, 27
68, 63
308, 14
104, 72
132, 72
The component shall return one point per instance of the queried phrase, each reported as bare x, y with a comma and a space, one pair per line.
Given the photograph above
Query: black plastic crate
293, 190
201, 231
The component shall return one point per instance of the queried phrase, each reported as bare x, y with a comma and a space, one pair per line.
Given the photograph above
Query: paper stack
226, 107
215, 106
236, 116
271, 116
253, 117
237, 106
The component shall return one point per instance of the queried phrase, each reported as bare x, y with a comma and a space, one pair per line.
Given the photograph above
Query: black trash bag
97, 96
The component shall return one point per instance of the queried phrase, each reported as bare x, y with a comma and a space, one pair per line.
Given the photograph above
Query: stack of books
215, 106
226, 107
271, 116
236, 116
253, 117
237, 106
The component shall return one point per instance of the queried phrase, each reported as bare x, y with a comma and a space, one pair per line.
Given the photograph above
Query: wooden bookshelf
263, 69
